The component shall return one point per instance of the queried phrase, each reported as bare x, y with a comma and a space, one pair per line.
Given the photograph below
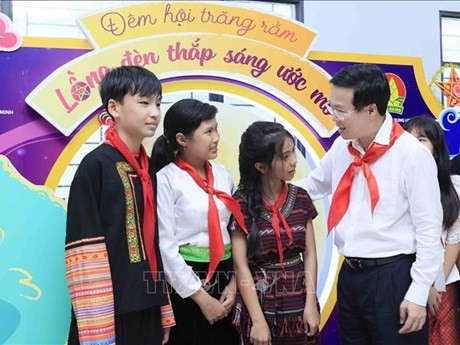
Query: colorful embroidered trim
167, 315
90, 287
131, 213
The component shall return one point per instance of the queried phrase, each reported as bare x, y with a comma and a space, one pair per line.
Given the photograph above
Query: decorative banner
69, 95
126, 23
258, 42
49, 104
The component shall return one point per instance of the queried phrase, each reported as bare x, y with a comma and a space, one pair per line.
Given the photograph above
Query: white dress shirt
183, 220
408, 216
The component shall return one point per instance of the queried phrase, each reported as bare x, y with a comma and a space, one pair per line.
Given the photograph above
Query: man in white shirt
385, 210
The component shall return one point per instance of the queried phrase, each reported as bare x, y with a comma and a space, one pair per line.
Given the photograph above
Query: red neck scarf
276, 218
341, 198
216, 243
142, 170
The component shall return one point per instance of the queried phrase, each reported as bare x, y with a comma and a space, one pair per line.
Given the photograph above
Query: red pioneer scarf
216, 243
277, 217
341, 198
142, 170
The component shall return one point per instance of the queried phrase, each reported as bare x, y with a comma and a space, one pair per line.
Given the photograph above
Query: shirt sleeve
178, 273
308, 207
318, 183
233, 224
229, 177
453, 234
421, 183
87, 265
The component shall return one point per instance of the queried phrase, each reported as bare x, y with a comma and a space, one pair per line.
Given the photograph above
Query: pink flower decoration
10, 39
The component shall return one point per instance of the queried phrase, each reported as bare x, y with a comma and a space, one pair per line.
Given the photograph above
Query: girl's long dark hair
259, 143
430, 128
184, 116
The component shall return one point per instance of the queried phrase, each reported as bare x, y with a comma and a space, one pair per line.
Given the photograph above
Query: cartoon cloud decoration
450, 123
10, 39
34, 300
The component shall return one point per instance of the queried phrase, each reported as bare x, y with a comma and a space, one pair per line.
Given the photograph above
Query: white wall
406, 28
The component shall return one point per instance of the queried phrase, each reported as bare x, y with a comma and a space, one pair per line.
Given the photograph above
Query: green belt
201, 254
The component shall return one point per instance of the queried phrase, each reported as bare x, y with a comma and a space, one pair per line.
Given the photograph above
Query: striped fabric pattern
90, 287
282, 295
167, 315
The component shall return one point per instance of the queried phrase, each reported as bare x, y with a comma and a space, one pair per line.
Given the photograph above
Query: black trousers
137, 328
368, 305
192, 328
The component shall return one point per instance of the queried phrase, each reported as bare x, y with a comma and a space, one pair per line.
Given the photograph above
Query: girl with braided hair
276, 264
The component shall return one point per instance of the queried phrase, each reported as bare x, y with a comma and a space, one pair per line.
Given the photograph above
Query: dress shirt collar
382, 136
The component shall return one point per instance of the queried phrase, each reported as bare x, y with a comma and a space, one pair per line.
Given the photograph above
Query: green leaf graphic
394, 94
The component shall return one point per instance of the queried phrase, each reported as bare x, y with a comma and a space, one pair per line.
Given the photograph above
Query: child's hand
166, 331
260, 333
211, 308
311, 318
229, 295
434, 299
213, 311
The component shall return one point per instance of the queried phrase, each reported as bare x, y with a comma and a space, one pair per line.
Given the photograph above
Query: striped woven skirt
282, 297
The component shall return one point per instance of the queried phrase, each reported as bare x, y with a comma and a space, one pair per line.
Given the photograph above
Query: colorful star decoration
451, 88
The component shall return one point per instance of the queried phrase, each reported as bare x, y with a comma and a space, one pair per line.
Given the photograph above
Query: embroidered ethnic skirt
282, 297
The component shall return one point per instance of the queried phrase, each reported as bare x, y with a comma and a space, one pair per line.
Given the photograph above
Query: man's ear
112, 108
372, 108
181, 140
260, 167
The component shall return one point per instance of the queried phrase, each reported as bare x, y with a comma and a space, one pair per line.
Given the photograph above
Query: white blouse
452, 235
182, 208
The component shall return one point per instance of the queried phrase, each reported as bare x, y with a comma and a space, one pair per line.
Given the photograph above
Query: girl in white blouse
194, 208
443, 325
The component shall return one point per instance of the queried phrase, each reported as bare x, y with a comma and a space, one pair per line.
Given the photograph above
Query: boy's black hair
128, 79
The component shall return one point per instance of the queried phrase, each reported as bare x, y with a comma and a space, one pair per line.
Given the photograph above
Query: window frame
6, 7
299, 9
443, 15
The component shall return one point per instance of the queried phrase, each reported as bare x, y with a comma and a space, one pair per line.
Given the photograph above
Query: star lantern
451, 88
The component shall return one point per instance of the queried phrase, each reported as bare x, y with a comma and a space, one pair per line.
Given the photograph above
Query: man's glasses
338, 113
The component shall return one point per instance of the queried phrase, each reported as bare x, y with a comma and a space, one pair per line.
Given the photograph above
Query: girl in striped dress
276, 264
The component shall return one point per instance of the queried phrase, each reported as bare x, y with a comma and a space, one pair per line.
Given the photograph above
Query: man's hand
412, 315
